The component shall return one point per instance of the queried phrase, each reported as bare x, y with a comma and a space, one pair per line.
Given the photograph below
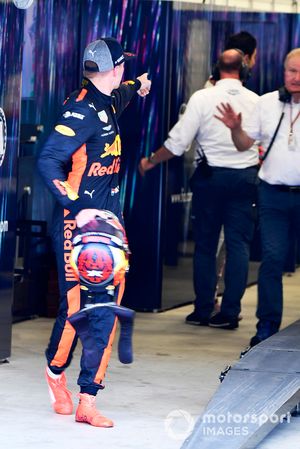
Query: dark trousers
279, 218
225, 198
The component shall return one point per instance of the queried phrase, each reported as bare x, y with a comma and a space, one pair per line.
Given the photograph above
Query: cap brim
128, 56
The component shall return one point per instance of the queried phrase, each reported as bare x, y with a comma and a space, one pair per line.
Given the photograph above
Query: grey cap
106, 53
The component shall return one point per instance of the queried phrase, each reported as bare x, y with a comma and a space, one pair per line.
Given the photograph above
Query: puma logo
86, 192
92, 52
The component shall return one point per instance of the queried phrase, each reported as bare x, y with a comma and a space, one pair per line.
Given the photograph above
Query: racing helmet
100, 254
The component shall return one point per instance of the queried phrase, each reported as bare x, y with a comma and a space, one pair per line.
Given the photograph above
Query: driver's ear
246, 59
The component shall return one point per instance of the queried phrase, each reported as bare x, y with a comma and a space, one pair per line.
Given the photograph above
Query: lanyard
292, 122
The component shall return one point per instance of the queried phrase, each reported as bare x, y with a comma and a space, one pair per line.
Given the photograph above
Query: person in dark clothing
245, 42
223, 191
80, 163
275, 123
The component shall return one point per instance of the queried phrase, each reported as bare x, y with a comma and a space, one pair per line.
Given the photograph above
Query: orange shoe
60, 396
87, 412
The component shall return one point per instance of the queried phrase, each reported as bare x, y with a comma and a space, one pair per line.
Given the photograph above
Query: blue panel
11, 37
142, 28
54, 40
51, 60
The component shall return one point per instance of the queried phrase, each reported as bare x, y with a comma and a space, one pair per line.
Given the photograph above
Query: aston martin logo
3, 136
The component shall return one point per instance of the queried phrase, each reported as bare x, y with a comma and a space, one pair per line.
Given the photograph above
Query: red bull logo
114, 149
97, 169
69, 227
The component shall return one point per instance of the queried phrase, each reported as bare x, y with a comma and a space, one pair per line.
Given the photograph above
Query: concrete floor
153, 402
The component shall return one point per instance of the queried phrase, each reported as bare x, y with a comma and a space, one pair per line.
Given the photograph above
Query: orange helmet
100, 254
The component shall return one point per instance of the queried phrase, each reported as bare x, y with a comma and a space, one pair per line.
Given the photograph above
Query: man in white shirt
225, 198
247, 43
279, 188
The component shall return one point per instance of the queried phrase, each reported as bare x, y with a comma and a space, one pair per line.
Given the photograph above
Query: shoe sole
193, 323
226, 326
84, 421
196, 323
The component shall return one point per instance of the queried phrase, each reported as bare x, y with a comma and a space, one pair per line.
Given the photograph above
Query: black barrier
31, 271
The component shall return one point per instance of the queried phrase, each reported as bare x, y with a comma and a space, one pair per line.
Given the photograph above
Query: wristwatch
151, 159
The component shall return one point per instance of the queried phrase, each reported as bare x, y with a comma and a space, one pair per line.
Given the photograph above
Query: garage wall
11, 41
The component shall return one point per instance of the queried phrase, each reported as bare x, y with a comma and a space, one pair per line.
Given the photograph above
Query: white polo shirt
198, 122
282, 165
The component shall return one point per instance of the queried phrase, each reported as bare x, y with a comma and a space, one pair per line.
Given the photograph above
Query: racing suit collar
96, 93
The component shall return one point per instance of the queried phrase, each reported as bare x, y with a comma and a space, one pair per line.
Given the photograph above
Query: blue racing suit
80, 163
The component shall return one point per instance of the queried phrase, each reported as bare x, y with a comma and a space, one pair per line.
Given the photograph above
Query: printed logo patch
107, 134
97, 169
103, 116
120, 59
233, 92
114, 149
65, 130
68, 114
114, 190
86, 192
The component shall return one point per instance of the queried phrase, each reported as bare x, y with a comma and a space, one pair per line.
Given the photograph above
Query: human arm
66, 142
233, 121
179, 139
122, 96
161, 155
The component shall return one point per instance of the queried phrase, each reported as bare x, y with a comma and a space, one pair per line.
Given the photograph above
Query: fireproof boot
87, 412
61, 397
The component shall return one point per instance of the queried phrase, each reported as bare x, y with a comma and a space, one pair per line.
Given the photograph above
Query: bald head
230, 63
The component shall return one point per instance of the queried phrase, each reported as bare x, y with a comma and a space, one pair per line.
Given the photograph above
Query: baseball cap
106, 53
